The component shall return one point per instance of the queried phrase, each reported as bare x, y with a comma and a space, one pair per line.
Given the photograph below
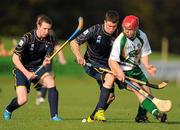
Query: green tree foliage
158, 18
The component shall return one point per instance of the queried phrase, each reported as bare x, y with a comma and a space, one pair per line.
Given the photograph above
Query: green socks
150, 107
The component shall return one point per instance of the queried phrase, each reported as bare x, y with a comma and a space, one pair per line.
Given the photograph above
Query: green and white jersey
128, 52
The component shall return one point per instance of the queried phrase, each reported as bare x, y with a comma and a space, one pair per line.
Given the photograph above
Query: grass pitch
78, 97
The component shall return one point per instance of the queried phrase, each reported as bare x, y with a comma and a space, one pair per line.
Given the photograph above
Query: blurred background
159, 18
78, 92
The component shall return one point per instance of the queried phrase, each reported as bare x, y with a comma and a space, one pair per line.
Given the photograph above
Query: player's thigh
48, 81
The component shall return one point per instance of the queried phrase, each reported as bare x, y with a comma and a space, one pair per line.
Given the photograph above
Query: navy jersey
32, 50
99, 44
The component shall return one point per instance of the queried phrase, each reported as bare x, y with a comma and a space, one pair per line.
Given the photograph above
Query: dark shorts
136, 73
21, 80
98, 75
48, 69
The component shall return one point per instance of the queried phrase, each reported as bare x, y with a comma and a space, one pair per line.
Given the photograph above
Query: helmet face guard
130, 22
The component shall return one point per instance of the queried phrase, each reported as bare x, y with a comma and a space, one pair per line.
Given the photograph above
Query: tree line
158, 18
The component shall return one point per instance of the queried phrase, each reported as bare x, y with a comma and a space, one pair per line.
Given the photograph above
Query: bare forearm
75, 48
118, 72
149, 68
18, 64
76, 51
145, 61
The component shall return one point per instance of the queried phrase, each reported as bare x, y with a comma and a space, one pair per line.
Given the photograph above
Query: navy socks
53, 101
13, 105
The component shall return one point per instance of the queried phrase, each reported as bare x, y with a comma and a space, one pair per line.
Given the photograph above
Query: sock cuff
53, 88
105, 89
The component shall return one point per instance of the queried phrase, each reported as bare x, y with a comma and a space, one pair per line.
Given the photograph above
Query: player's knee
22, 100
50, 84
48, 81
109, 79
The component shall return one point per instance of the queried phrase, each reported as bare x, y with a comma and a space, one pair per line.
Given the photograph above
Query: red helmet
130, 22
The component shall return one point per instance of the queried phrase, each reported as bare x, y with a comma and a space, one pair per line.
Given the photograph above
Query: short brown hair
43, 18
112, 15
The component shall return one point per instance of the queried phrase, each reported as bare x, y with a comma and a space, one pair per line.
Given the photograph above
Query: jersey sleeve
21, 46
146, 49
115, 52
86, 35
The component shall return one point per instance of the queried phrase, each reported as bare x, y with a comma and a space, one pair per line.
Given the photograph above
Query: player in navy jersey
42, 90
33, 50
99, 40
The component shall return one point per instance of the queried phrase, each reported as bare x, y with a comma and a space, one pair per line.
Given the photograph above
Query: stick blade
163, 105
162, 85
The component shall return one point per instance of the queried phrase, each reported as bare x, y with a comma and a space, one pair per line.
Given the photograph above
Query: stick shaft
141, 91
58, 50
137, 81
155, 86
162, 105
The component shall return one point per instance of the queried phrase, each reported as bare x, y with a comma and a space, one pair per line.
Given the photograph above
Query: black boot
141, 115
162, 117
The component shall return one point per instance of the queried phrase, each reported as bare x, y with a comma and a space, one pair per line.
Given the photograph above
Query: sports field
78, 97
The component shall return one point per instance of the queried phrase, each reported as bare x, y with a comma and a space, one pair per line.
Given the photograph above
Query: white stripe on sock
154, 111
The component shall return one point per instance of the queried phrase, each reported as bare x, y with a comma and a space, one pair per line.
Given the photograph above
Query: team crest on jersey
21, 42
86, 32
99, 39
32, 47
